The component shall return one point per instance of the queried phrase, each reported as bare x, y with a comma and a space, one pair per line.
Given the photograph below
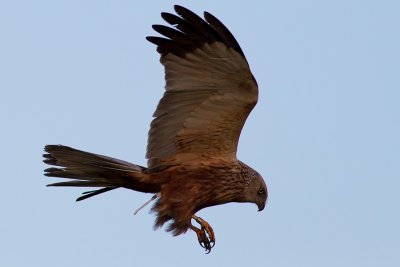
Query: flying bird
193, 138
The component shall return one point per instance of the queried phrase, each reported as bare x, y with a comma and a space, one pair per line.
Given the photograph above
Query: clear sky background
325, 133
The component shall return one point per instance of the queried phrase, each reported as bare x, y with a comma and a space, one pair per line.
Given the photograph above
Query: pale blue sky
325, 133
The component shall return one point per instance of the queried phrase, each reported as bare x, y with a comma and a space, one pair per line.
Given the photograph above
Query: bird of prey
193, 138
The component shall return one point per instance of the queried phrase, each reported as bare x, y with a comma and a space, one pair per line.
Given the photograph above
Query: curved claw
203, 239
207, 246
205, 235
212, 243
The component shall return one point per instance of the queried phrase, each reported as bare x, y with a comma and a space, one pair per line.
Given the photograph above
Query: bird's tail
91, 170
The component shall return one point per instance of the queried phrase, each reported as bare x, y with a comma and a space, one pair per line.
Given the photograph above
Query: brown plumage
193, 138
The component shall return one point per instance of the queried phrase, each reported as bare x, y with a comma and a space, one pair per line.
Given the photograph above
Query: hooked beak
261, 206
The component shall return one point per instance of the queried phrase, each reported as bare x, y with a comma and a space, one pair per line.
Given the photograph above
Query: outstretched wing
210, 91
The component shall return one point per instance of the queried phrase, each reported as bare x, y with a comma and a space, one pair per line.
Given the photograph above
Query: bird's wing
210, 91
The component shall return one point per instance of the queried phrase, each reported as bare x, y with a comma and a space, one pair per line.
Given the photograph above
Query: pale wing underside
210, 91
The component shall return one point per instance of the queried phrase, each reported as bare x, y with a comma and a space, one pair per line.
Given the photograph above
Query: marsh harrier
193, 137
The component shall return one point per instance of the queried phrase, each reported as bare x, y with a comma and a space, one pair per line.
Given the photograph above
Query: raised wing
210, 91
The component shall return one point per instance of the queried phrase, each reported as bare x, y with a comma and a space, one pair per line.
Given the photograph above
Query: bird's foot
205, 235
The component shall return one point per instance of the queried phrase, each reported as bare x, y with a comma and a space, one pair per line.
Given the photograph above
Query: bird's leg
205, 227
202, 237
205, 235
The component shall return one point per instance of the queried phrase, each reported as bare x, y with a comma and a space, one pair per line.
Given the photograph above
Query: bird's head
255, 189
258, 191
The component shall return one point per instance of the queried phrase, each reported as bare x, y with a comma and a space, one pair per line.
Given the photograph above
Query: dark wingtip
191, 32
181, 10
177, 8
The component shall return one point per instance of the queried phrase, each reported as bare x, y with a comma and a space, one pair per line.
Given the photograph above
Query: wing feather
210, 91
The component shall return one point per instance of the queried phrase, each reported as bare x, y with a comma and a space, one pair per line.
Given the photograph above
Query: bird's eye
261, 191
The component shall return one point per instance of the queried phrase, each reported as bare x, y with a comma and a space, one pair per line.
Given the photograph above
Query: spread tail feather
91, 170
93, 193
